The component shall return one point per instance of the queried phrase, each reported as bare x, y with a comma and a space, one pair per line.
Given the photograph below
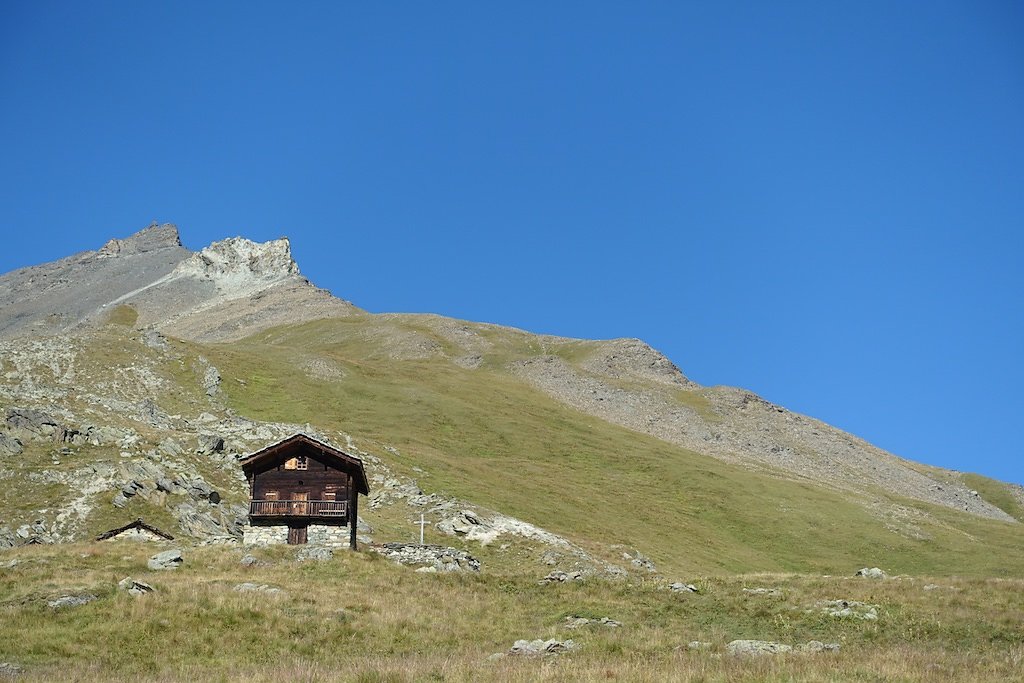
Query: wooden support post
353, 516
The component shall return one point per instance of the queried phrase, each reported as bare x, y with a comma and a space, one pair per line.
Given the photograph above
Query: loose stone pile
849, 609
439, 557
558, 576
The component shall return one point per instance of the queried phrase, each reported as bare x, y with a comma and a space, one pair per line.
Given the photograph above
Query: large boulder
37, 424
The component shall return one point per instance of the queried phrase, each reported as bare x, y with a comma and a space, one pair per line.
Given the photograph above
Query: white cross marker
422, 524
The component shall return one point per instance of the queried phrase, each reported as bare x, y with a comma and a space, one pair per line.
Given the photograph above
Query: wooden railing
298, 508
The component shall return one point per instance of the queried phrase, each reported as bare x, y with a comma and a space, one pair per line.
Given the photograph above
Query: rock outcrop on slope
55, 297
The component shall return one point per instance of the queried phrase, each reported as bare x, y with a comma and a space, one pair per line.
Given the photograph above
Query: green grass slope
487, 437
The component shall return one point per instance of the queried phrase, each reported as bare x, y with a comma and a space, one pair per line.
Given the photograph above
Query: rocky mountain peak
148, 239
237, 258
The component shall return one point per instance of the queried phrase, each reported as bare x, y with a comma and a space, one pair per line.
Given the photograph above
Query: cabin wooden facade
301, 487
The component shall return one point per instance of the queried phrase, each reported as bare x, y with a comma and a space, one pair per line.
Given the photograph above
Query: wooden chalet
301, 482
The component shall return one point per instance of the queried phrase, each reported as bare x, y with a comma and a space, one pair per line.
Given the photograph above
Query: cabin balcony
337, 509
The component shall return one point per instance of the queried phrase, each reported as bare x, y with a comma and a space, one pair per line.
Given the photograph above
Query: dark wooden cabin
300, 482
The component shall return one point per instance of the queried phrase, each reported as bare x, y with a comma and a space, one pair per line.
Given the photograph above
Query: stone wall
264, 535
316, 534
328, 536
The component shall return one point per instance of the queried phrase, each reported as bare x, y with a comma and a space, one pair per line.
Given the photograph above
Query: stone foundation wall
264, 535
328, 536
316, 534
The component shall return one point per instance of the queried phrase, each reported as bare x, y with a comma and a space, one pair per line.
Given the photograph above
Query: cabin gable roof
301, 444
137, 524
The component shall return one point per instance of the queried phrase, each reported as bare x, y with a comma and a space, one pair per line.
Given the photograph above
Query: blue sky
821, 202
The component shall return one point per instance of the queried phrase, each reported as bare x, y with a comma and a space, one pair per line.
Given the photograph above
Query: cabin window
270, 495
329, 495
297, 463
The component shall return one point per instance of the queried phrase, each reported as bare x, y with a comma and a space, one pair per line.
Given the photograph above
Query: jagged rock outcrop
241, 261
148, 239
55, 297
228, 290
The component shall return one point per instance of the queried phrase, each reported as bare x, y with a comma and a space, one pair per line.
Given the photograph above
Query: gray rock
315, 553
541, 648
10, 670
250, 561
756, 648
170, 447
815, 646
168, 559
211, 381
209, 444
257, 588
119, 500
151, 414
871, 573
134, 586
679, 587
640, 561
437, 557
34, 422
580, 622
198, 488
762, 591
71, 601
849, 609
558, 576
104, 436
154, 339
10, 445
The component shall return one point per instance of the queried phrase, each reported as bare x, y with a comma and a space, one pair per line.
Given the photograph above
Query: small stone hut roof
301, 444
137, 524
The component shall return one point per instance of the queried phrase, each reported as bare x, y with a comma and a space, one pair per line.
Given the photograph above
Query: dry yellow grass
358, 617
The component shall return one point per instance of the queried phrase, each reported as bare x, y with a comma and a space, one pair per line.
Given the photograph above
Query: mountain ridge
234, 330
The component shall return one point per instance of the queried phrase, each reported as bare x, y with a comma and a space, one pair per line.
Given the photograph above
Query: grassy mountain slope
484, 435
